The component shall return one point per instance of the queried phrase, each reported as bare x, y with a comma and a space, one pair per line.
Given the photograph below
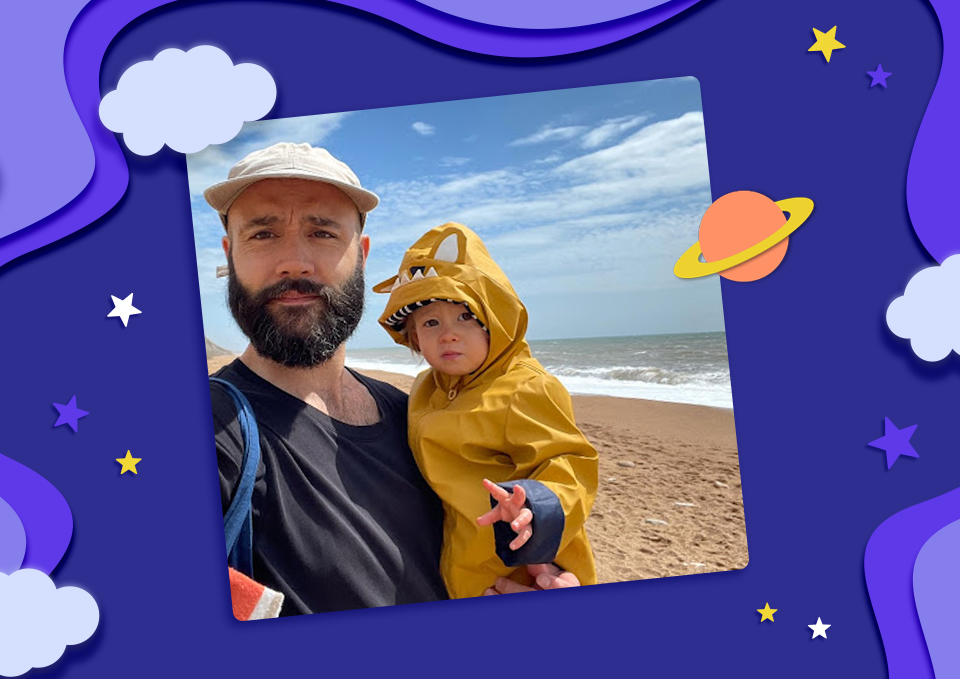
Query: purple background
814, 368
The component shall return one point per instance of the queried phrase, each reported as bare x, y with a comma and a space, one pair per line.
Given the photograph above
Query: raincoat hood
451, 263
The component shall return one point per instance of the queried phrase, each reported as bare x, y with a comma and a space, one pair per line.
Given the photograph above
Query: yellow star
129, 463
826, 43
766, 613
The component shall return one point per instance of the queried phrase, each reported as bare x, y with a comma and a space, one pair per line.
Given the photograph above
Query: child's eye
466, 316
429, 323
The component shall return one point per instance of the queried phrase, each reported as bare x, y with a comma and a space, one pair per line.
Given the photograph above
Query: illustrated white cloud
186, 100
927, 313
38, 621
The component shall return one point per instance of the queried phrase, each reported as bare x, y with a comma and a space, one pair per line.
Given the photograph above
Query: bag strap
238, 521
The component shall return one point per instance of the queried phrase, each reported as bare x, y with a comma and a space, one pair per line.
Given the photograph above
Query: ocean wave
696, 390
646, 374
716, 395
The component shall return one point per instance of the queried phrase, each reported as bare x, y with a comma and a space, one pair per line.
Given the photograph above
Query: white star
123, 308
819, 629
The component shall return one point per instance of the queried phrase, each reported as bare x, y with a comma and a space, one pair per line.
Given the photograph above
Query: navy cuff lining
548, 523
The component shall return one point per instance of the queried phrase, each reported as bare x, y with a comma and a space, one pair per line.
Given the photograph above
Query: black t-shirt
342, 518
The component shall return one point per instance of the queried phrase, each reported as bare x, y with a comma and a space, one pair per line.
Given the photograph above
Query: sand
669, 500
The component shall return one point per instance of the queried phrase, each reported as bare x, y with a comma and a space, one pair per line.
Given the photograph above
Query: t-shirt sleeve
541, 434
229, 441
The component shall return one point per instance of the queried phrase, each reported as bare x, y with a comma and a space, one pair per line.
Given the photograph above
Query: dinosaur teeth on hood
404, 278
396, 284
418, 275
431, 272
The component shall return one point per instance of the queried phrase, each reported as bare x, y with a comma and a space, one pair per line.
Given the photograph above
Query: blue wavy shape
40, 122
936, 589
13, 539
43, 512
541, 14
888, 568
932, 174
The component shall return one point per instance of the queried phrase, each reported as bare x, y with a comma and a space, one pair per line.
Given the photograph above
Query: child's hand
510, 509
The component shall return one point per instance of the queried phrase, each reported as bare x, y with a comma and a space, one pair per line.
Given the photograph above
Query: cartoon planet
743, 236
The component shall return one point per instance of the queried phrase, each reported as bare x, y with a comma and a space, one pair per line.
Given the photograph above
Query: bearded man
342, 518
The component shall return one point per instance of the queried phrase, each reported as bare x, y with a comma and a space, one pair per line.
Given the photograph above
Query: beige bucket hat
289, 161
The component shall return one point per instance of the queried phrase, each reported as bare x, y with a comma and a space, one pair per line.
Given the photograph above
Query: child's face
450, 339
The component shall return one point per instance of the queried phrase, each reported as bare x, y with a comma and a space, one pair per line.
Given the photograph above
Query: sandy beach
669, 500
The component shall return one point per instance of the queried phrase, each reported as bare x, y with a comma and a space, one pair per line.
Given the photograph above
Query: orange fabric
245, 593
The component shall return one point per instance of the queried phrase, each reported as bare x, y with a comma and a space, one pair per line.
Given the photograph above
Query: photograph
450, 356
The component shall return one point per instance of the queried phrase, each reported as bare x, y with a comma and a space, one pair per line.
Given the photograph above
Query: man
342, 517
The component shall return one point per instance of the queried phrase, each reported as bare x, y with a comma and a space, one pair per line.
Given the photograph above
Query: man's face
296, 259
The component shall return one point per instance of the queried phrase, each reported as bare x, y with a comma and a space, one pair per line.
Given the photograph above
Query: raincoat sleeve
561, 485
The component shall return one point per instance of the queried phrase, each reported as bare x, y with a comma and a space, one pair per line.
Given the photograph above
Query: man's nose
295, 258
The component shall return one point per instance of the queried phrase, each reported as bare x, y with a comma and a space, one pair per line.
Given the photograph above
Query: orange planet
743, 236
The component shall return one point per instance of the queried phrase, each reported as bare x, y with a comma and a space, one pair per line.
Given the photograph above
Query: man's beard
298, 336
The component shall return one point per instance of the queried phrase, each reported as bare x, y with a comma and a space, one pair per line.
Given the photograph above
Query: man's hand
510, 509
546, 575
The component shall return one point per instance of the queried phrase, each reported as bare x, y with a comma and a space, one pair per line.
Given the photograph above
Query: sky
585, 197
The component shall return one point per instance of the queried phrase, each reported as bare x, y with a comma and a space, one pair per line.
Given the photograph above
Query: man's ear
225, 242
365, 247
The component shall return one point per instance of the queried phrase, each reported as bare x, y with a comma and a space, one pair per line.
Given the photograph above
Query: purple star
895, 442
879, 76
69, 414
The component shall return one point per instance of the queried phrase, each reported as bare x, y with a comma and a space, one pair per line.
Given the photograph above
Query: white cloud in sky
662, 161
926, 314
550, 133
425, 129
38, 621
610, 130
548, 160
186, 100
453, 161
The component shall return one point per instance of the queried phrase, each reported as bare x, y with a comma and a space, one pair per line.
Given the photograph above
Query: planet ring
690, 266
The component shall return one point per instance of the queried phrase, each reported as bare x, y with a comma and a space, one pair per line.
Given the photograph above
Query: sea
681, 368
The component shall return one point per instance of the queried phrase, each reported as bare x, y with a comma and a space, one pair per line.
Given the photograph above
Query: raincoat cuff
548, 523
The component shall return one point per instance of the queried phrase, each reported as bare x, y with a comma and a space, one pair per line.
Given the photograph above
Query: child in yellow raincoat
488, 411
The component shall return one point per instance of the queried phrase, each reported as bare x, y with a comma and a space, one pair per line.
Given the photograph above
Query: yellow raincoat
509, 421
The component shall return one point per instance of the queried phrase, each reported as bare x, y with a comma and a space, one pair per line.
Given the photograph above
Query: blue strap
238, 521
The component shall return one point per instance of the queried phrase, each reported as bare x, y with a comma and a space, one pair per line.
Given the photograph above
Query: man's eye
323, 234
262, 235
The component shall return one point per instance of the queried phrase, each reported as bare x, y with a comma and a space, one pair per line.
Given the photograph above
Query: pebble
657, 522
626, 463
695, 564
684, 504
611, 479
720, 484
